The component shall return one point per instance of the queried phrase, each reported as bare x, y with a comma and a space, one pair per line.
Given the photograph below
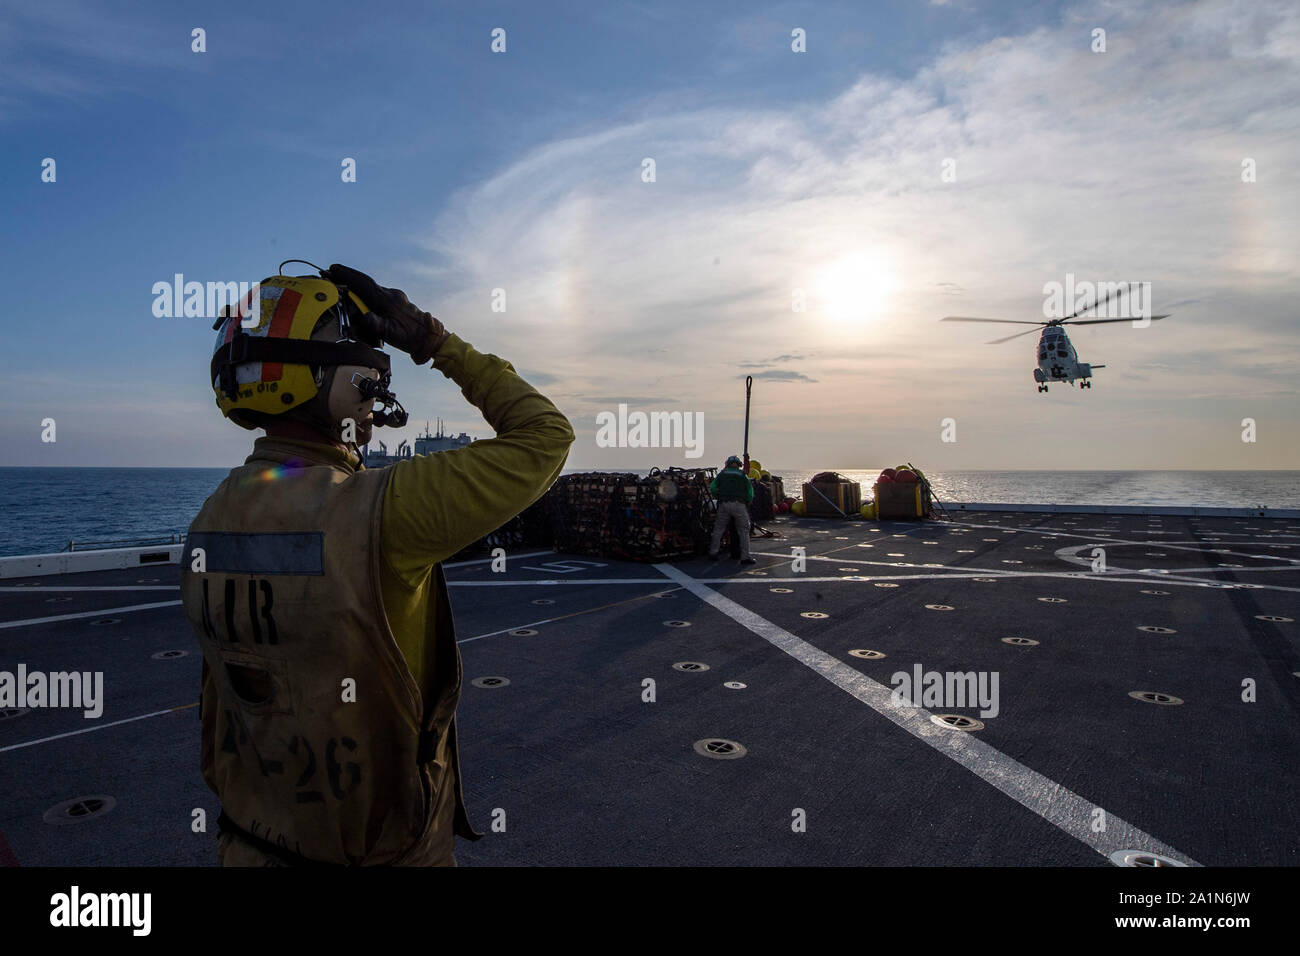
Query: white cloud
68, 50
1116, 166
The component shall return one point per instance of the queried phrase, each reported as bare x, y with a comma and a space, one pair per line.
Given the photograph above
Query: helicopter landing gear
1042, 388
1085, 384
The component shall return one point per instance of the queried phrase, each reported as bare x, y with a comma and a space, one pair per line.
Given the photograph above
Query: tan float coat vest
311, 719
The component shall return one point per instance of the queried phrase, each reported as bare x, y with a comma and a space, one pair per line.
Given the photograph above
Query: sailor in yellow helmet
331, 673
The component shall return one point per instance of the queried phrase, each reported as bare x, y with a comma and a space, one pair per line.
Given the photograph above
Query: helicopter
1057, 359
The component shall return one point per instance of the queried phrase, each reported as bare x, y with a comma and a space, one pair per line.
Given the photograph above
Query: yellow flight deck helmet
268, 362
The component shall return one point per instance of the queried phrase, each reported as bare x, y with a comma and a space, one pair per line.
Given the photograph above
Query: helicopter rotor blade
968, 318
1010, 337
1099, 303
1100, 321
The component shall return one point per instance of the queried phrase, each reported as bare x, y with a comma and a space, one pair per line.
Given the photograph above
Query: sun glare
857, 286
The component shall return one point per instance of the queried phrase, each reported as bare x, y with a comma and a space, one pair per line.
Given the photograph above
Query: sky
915, 160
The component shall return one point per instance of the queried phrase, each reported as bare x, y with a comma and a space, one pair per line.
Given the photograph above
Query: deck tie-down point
720, 749
1155, 697
79, 809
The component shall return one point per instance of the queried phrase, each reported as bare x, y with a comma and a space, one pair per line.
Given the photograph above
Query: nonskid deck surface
568, 761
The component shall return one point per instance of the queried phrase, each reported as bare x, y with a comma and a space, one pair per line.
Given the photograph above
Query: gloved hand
396, 320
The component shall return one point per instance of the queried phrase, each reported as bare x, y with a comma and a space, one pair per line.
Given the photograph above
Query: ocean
44, 508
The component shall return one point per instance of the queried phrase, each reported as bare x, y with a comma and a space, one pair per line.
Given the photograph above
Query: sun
857, 286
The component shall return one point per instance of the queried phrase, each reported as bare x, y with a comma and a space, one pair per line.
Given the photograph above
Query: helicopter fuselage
1058, 361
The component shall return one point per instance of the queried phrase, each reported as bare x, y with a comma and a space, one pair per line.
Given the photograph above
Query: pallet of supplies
831, 495
902, 492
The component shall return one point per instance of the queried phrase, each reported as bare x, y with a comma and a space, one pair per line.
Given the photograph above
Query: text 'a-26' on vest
311, 719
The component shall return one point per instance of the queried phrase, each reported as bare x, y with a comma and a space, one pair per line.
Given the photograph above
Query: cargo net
667, 514
529, 528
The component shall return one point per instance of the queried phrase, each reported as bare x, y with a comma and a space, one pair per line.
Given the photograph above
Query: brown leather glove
393, 318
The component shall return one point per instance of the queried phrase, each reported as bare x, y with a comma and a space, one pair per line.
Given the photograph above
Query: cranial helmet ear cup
337, 398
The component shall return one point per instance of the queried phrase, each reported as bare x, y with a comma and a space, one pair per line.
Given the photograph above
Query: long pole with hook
749, 384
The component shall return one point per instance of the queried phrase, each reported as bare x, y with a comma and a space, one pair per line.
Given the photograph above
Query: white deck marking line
73, 733
103, 612
1059, 806
463, 564
551, 582
1069, 553
880, 564
138, 587
1197, 546
505, 630
963, 570
966, 572
564, 617
173, 587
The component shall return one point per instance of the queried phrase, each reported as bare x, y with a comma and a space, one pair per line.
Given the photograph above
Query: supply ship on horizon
424, 444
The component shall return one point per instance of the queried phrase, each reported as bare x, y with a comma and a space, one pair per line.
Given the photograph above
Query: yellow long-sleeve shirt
437, 504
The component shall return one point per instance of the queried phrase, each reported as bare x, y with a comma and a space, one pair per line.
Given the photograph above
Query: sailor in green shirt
734, 492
